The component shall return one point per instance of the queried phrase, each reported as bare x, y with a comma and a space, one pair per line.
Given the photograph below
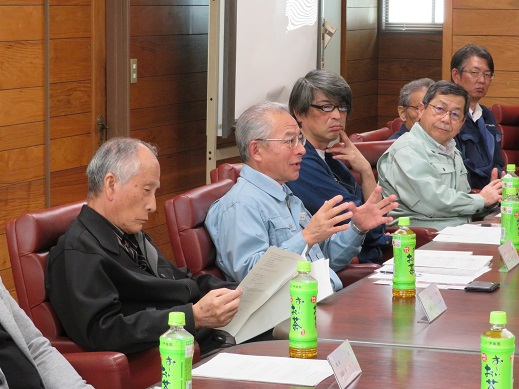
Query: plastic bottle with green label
497, 354
404, 277
510, 208
510, 181
302, 336
176, 352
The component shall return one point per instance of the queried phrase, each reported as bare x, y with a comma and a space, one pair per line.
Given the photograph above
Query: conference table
365, 313
382, 367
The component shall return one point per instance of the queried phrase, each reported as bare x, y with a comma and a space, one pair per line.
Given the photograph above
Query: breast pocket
281, 229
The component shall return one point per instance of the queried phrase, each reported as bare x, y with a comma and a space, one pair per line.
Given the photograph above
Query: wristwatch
356, 229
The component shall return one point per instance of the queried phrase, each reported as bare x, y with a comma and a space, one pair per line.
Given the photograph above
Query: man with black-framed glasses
320, 102
261, 211
426, 171
479, 139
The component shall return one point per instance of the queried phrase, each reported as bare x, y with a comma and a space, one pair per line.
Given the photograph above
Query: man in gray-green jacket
426, 171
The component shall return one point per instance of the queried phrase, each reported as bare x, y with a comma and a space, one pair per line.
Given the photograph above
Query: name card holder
508, 255
432, 303
344, 364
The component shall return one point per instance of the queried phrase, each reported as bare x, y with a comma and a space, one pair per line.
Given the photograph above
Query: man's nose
152, 205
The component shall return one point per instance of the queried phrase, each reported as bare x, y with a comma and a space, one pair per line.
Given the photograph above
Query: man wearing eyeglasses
426, 171
411, 95
261, 211
320, 102
479, 139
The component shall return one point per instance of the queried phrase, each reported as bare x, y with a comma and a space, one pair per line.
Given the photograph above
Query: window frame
407, 27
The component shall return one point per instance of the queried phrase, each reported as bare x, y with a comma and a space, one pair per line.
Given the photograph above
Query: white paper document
265, 301
448, 269
289, 371
469, 233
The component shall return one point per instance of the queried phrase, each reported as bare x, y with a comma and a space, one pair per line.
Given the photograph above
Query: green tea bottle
497, 354
510, 208
404, 277
176, 352
302, 335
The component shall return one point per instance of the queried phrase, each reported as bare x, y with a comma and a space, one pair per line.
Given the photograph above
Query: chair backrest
185, 216
230, 171
507, 118
372, 151
377, 135
29, 239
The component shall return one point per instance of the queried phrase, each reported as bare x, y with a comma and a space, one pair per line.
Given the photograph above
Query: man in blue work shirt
261, 211
479, 140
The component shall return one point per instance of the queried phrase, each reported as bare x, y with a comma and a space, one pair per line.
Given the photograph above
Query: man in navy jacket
479, 139
320, 102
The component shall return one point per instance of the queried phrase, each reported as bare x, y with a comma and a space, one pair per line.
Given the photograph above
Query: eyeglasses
412, 106
293, 141
440, 111
475, 74
330, 107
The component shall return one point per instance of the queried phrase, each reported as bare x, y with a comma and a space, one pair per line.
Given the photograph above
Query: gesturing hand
371, 214
324, 222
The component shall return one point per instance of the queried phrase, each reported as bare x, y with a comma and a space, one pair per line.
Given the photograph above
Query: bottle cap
177, 319
304, 266
404, 221
497, 317
510, 167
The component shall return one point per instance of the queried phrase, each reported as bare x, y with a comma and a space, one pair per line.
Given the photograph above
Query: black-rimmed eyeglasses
330, 107
293, 141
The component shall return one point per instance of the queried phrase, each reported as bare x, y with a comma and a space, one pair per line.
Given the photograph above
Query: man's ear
421, 108
109, 185
455, 75
255, 150
402, 113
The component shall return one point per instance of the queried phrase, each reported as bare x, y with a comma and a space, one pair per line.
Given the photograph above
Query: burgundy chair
102, 370
185, 216
229, 174
372, 151
29, 239
377, 135
507, 118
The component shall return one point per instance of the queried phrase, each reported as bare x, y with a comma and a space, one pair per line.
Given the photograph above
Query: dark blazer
399, 133
103, 298
473, 150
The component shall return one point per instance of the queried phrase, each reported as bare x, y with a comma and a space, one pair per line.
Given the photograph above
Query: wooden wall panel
170, 89
70, 152
177, 53
21, 106
21, 135
361, 51
168, 102
70, 21
70, 60
157, 20
21, 23
68, 186
19, 198
404, 57
473, 22
22, 64
19, 165
493, 25
68, 98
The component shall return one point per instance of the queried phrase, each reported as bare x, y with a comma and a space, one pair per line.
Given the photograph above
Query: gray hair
413, 86
447, 88
256, 123
330, 84
460, 57
117, 156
